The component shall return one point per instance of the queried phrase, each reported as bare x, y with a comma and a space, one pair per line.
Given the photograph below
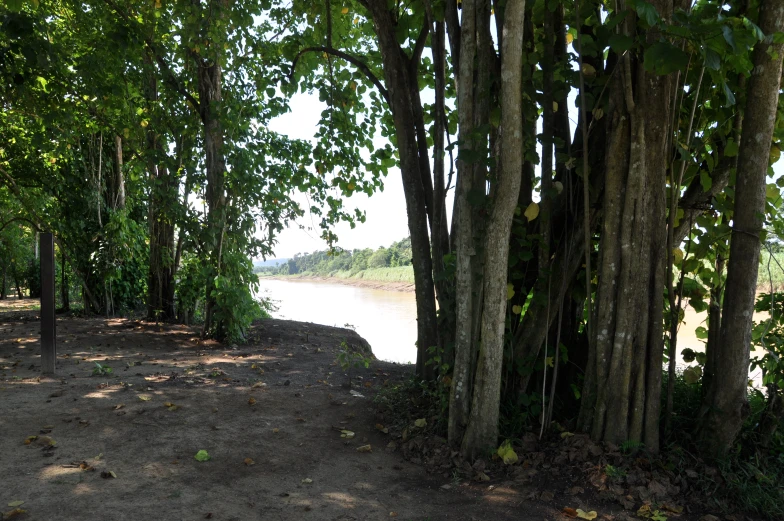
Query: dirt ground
122, 445
268, 413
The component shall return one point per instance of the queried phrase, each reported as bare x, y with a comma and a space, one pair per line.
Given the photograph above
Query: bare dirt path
268, 413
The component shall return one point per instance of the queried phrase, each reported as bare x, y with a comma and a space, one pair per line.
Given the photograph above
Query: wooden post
48, 335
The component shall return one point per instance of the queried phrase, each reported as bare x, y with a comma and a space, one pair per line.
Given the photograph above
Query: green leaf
42, 82
692, 375
705, 181
701, 333
664, 58
731, 150
772, 193
620, 43
729, 37
202, 456
647, 12
729, 94
712, 59
14, 5
754, 28
507, 453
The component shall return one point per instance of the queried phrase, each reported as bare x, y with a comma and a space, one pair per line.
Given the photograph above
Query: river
387, 319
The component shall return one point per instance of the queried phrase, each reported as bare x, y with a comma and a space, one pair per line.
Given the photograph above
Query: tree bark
482, 431
400, 84
439, 231
209, 78
65, 290
725, 406
465, 348
118, 198
160, 280
622, 401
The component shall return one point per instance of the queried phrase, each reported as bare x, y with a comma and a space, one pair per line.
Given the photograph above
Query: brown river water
387, 319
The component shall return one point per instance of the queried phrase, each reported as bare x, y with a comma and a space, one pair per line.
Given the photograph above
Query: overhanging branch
359, 64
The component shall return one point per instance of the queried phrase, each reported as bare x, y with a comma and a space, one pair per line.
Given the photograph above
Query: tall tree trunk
163, 197
482, 431
65, 290
209, 80
626, 353
725, 406
465, 289
714, 326
397, 75
118, 196
439, 232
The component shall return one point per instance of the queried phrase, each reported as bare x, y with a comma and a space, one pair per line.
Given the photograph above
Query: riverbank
389, 279
170, 426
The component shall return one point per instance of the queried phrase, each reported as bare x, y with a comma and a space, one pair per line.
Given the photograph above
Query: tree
724, 405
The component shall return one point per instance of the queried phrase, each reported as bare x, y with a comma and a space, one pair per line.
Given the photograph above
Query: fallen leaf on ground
276, 431
582, 514
381, 428
258, 384
481, 476
346, 434
251, 401
672, 508
14, 504
13, 513
144, 398
565, 435
507, 453
249, 462
108, 474
421, 422
119, 406
393, 514
202, 455
307, 481
365, 448
570, 512
41, 441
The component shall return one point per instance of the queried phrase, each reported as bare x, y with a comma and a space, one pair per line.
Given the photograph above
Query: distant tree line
326, 262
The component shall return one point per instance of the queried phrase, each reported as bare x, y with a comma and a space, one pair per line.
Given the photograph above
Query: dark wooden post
48, 336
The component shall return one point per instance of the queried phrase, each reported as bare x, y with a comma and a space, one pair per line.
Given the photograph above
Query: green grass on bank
403, 274
775, 274
406, 273
396, 274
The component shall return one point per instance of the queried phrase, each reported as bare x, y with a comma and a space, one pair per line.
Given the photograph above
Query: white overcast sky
386, 211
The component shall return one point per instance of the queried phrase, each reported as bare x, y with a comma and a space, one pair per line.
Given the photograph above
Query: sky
385, 211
